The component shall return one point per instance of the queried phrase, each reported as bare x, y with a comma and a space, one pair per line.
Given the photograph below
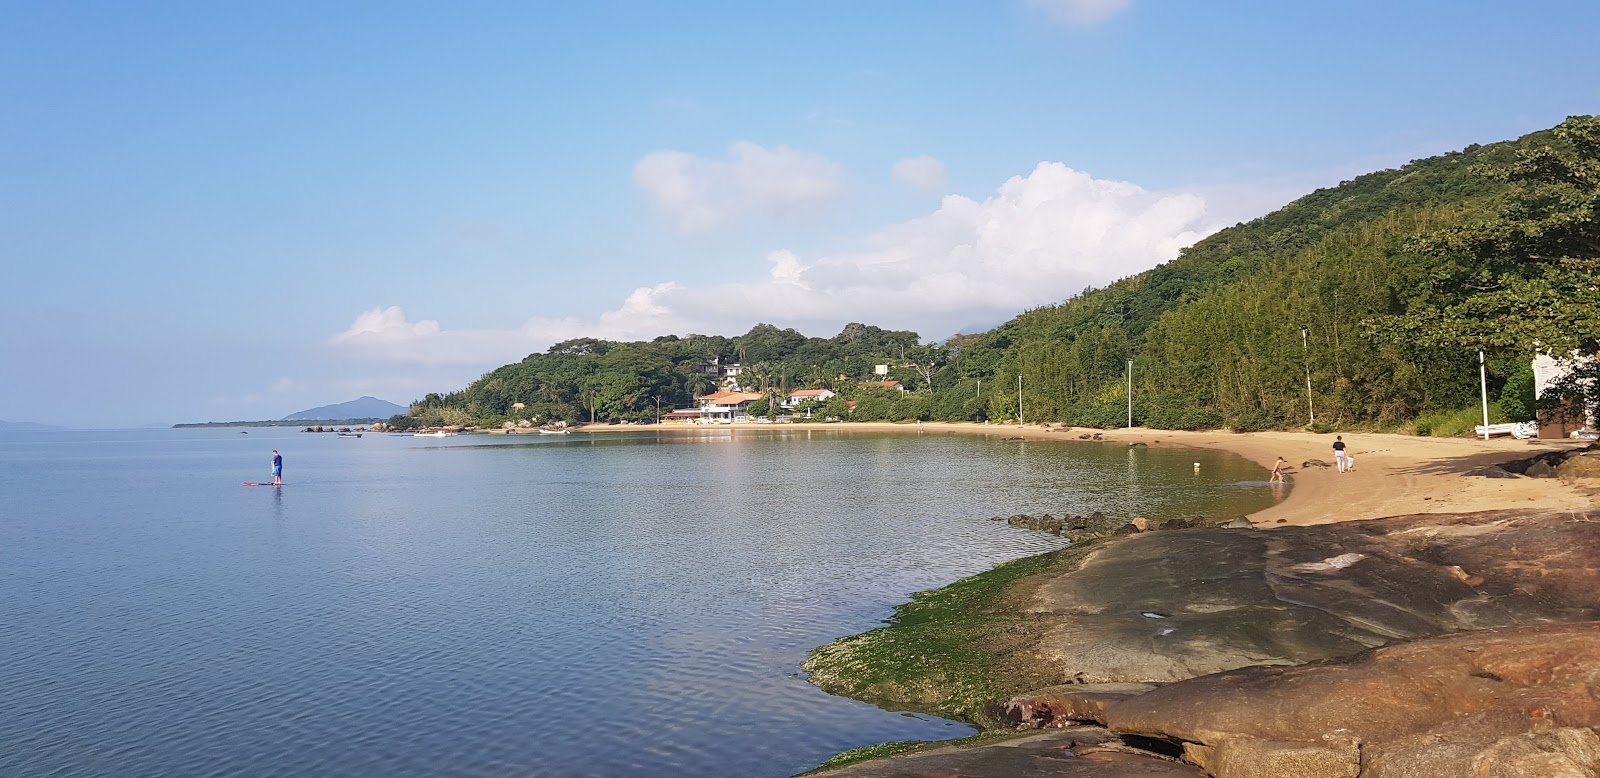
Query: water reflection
428, 609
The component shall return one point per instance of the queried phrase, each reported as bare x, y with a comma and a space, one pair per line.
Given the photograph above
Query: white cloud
700, 195
1038, 239
1080, 12
925, 173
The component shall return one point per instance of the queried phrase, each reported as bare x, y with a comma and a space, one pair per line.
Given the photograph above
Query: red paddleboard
255, 483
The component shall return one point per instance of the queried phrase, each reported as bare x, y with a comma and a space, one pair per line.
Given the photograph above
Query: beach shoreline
1394, 474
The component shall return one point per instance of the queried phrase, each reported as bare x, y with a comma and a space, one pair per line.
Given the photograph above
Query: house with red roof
727, 407
801, 395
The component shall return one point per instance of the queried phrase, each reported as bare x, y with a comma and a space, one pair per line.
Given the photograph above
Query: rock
1249, 757
1239, 522
1315, 463
1045, 522
1128, 529
1085, 436
1235, 598
1540, 469
1177, 524
1585, 465
1067, 705
1098, 436
1474, 703
1141, 523
1079, 752
1138, 445
1491, 471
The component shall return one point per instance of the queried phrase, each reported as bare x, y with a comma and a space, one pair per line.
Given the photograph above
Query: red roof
731, 398
886, 384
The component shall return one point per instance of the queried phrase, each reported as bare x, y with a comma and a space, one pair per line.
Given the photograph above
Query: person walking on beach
1339, 459
277, 468
1277, 471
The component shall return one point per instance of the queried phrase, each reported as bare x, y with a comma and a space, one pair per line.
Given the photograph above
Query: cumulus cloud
1080, 12
925, 173
1038, 239
700, 195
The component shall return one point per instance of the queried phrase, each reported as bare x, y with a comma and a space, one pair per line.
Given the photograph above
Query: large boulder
1502, 702
1297, 594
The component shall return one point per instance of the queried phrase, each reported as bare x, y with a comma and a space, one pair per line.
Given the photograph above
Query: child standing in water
1277, 471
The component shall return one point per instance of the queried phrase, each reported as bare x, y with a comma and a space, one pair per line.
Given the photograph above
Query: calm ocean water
607, 605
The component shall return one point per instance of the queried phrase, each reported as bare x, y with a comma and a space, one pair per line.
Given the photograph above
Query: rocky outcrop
1517, 701
1411, 647
1084, 752
1098, 525
1570, 464
1228, 599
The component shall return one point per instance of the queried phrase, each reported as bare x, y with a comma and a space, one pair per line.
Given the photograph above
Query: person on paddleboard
277, 468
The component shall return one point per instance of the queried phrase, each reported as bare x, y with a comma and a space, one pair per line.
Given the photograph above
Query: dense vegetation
1381, 289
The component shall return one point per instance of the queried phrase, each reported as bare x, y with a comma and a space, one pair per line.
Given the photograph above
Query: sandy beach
1394, 474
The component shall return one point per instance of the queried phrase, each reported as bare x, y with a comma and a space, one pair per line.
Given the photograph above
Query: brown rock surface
1068, 704
1504, 702
1166, 606
1086, 752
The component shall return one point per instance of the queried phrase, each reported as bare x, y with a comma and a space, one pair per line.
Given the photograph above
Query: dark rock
1078, 752
1491, 471
1138, 445
1315, 463
1128, 529
1098, 436
1176, 524
1540, 469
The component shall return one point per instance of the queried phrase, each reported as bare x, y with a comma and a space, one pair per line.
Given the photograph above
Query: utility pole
1130, 394
1483, 384
1305, 349
979, 395
1019, 399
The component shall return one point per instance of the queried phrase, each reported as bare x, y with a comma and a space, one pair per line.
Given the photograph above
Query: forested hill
1385, 273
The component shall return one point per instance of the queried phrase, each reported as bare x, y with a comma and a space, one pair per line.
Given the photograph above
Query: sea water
633, 603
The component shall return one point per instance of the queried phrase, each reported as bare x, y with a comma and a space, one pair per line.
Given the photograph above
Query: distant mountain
361, 408
27, 425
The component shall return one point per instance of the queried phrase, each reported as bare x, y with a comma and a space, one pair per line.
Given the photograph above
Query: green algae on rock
949, 651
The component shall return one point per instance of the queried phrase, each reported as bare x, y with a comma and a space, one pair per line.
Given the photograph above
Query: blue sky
222, 211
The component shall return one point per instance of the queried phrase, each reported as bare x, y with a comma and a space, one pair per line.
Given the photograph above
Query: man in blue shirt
277, 468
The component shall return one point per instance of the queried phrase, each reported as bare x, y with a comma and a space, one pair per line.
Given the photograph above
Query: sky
229, 211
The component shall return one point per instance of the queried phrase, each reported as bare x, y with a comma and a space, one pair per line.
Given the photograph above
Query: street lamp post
658, 408
1305, 350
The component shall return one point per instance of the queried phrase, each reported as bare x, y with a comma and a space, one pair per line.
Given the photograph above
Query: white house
1547, 370
801, 395
727, 407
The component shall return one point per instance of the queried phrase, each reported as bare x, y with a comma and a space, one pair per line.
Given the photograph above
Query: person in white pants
1340, 460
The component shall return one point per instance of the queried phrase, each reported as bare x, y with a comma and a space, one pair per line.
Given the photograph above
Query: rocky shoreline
1459, 643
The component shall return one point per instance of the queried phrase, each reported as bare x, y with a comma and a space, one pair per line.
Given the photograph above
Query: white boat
562, 431
436, 434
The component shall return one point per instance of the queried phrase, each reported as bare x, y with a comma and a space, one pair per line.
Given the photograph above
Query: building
1563, 422
802, 395
727, 407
